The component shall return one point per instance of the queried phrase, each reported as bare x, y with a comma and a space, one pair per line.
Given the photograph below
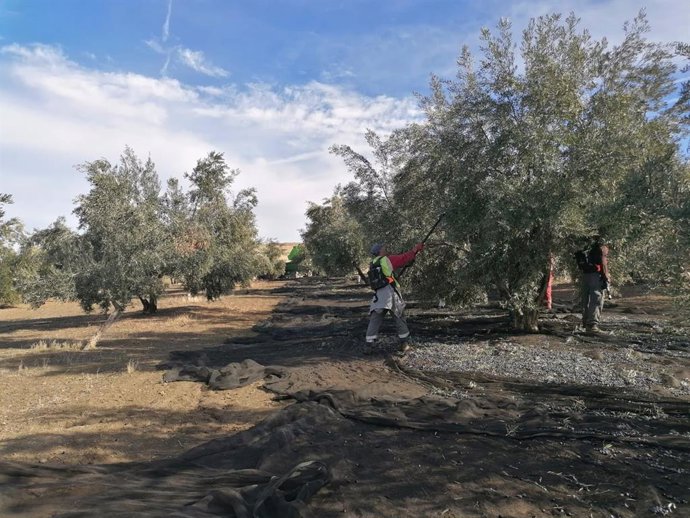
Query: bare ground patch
62, 404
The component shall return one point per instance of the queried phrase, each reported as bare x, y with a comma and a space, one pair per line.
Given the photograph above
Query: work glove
418, 248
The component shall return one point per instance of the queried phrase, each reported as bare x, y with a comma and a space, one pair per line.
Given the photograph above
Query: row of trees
132, 234
529, 153
10, 233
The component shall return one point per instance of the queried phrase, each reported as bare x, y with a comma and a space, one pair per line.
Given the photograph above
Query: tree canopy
334, 238
11, 233
531, 153
124, 239
217, 239
131, 235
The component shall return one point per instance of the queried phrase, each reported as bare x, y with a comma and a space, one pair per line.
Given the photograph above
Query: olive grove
132, 235
530, 151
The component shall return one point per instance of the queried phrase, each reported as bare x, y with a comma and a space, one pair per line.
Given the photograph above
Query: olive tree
333, 238
216, 237
125, 244
371, 199
49, 262
530, 153
11, 234
271, 264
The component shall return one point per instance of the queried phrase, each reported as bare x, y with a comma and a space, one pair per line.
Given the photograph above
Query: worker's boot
368, 348
404, 347
593, 330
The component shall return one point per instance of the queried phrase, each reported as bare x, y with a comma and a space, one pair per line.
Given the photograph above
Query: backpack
377, 279
584, 261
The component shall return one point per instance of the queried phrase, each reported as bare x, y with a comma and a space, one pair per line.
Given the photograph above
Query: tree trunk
145, 304
93, 341
544, 299
153, 303
364, 278
522, 318
149, 305
525, 320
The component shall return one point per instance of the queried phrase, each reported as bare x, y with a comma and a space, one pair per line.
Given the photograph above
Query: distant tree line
132, 235
10, 235
530, 152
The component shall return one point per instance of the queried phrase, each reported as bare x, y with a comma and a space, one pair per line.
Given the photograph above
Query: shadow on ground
510, 448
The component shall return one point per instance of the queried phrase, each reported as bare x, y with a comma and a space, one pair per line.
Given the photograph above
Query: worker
593, 264
387, 297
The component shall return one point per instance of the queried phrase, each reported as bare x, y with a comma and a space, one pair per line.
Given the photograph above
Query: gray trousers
592, 299
376, 319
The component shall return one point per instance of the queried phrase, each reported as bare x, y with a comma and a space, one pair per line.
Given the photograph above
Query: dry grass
57, 345
64, 403
132, 366
23, 369
181, 321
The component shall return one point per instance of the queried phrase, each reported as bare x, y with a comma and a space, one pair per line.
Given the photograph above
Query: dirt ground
398, 438
60, 404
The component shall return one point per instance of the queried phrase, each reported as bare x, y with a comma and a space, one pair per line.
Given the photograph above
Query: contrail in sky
164, 70
166, 24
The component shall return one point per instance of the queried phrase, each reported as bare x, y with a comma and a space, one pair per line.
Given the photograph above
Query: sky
271, 84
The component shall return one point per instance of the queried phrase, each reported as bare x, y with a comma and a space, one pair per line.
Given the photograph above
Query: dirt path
431, 435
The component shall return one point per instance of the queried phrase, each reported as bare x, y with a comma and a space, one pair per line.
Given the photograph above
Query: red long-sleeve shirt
400, 260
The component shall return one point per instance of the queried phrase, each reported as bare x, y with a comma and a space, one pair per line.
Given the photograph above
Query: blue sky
272, 84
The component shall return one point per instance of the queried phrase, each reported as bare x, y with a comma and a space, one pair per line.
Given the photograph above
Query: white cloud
337, 73
196, 60
213, 91
314, 108
56, 114
38, 53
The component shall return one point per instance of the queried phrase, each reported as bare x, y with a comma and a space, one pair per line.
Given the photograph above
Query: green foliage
215, 235
11, 233
124, 249
528, 161
333, 238
5, 199
49, 263
8, 265
132, 235
365, 211
271, 265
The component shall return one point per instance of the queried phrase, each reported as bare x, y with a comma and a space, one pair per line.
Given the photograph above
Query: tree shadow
49, 324
386, 470
147, 433
394, 471
305, 329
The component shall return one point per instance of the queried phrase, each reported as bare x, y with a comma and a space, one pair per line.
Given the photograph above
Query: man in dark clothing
595, 281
